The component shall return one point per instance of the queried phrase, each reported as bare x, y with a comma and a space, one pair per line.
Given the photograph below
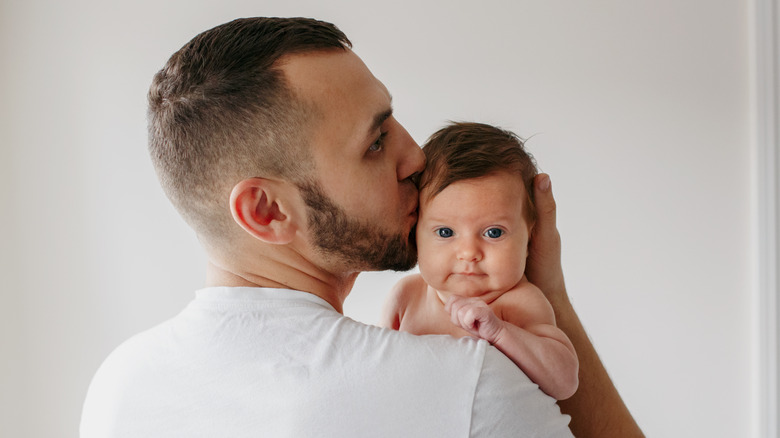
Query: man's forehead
340, 88
328, 71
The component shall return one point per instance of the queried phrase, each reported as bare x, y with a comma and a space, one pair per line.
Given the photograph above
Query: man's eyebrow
380, 118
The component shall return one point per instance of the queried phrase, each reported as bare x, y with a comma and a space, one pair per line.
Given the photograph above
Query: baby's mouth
469, 273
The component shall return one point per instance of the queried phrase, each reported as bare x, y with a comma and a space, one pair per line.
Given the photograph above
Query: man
279, 147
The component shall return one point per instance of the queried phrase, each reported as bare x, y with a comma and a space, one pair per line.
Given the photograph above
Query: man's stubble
360, 246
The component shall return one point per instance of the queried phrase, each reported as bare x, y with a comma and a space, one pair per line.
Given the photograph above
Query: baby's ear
530, 232
259, 206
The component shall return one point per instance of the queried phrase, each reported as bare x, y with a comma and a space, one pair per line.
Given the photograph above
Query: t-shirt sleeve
508, 404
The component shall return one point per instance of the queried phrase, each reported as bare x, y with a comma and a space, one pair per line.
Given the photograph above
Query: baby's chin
463, 290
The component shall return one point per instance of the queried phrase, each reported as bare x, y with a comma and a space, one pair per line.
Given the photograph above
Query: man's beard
359, 246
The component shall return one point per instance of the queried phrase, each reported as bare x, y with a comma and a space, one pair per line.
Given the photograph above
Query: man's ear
258, 206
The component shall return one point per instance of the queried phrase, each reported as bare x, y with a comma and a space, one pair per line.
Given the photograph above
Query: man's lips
413, 211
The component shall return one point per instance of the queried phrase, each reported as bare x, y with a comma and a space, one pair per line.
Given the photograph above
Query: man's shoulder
508, 403
118, 381
130, 355
479, 379
386, 341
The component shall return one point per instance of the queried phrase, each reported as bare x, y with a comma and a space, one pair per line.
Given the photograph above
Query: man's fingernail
544, 184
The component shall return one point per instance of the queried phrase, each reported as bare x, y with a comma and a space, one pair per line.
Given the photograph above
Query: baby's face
472, 238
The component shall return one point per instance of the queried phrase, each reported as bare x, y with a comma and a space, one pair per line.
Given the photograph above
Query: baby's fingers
469, 313
453, 307
469, 317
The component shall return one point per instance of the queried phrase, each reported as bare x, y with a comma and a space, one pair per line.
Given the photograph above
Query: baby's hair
462, 151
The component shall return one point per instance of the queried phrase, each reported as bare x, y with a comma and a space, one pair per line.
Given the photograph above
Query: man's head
462, 151
362, 208
221, 110
264, 102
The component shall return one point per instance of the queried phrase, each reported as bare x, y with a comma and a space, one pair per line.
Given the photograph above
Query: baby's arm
528, 337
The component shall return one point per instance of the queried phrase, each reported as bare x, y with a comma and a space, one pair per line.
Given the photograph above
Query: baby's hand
475, 316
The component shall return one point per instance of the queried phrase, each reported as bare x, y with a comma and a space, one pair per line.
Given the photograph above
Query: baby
476, 216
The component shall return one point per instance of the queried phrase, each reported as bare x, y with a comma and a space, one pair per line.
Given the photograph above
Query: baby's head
476, 209
462, 151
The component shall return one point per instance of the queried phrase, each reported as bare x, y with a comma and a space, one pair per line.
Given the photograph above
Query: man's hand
543, 267
596, 408
475, 316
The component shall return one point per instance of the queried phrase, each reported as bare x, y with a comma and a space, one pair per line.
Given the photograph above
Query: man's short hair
462, 151
220, 111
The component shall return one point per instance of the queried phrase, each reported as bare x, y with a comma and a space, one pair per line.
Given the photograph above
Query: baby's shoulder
523, 303
405, 294
522, 292
408, 288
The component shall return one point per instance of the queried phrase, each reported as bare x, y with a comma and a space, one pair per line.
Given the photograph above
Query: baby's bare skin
420, 309
472, 240
520, 322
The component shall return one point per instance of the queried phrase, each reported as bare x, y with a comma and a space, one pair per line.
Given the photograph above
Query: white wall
10, 345
639, 110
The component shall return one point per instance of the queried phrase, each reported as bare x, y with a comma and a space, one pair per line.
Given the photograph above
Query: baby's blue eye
494, 233
444, 232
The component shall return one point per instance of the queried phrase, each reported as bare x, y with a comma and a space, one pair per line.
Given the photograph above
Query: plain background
640, 111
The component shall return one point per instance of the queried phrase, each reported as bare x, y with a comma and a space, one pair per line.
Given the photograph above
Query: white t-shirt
250, 362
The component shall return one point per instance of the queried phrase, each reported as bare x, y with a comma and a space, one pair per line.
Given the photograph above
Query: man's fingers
544, 255
545, 207
545, 241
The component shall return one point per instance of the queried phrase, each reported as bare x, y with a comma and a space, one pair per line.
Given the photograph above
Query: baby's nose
468, 251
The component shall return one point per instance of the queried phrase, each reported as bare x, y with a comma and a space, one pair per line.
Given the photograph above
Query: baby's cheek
431, 270
426, 255
512, 271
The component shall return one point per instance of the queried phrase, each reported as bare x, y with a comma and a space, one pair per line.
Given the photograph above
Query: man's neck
333, 289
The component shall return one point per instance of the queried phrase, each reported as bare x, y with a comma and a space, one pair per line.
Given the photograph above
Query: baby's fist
474, 316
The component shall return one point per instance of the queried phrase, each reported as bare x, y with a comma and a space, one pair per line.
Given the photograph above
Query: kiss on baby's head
462, 151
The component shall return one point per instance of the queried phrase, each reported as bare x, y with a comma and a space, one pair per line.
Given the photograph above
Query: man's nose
411, 160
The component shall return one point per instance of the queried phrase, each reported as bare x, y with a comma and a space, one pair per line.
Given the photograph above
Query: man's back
265, 362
